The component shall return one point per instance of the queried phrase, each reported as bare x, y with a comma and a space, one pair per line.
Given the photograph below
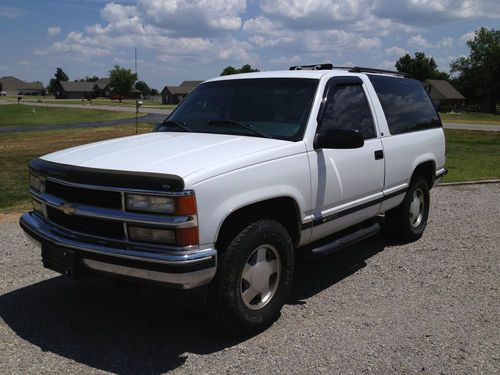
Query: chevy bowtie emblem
67, 208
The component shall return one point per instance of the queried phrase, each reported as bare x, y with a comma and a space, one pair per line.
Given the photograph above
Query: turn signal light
185, 205
187, 236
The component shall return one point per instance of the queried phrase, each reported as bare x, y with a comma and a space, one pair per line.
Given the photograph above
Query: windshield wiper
181, 125
240, 124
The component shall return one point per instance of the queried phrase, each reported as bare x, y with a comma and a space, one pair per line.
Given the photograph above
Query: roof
174, 90
313, 74
445, 88
190, 83
13, 83
69, 86
101, 83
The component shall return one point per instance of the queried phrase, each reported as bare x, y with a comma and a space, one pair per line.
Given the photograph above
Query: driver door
349, 182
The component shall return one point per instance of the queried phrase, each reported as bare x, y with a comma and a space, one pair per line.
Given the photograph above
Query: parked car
247, 171
117, 97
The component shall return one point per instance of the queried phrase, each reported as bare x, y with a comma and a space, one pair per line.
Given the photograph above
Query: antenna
136, 100
135, 54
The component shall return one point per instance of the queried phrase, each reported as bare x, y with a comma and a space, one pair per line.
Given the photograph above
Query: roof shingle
445, 88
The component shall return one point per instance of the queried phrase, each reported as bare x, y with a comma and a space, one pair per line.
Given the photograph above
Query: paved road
429, 307
97, 124
493, 128
101, 107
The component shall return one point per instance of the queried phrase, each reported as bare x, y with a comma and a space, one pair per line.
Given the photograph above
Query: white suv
248, 170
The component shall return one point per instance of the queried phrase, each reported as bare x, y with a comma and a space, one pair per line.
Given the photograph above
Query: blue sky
195, 39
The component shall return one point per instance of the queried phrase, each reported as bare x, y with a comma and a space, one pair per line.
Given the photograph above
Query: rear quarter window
406, 104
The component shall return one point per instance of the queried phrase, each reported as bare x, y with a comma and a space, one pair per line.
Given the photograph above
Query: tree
89, 79
143, 87
154, 92
248, 69
122, 80
420, 67
1, 86
479, 73
59, 76
228, 70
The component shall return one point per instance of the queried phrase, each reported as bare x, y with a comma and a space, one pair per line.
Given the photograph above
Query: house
175, 94
444, 96
14, 86
74, 90
103, 88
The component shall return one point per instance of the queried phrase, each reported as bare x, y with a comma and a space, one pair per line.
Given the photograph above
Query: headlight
142, 234
150, 203
35, 182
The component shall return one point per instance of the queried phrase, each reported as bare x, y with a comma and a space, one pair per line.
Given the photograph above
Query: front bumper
67, 252
439, 176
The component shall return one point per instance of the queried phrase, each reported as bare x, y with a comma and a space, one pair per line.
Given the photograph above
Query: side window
347, 108
406, 104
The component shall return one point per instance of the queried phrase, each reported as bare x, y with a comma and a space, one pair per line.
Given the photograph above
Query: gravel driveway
427, 307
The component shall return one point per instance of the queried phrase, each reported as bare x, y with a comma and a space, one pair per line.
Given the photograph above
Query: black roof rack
352, 69
312, 67
359, 69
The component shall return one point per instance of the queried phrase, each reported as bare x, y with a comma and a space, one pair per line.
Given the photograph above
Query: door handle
379, 154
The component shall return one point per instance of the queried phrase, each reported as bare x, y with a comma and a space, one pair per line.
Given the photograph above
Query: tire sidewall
266, 232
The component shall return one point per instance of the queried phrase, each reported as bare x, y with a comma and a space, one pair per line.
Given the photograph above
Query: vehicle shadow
130, 331
313, 275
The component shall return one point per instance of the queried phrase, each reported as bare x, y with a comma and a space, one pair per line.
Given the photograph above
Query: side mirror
339, 138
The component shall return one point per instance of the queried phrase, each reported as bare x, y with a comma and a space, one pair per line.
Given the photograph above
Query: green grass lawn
471, 155
17, 149
23, 115
471, 118
146, 103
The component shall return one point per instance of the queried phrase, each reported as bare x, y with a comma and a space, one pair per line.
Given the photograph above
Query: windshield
270, 107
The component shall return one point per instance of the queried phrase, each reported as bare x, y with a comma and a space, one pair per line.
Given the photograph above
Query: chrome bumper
439, 176
178, 269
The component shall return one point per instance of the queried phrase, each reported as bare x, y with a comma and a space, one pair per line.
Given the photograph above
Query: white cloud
396, 51
340, 10
419, 41
53, 31
446, 42
387, 64
287, 61
199, 35
467, 36
11, 12
435, 12
199, 14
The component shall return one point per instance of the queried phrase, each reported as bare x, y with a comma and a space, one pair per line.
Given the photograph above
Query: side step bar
345, 241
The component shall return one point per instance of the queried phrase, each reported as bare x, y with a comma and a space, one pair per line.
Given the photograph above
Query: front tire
407, 222
253, 279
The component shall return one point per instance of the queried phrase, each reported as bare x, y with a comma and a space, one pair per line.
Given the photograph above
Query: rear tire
407, 222
253, 278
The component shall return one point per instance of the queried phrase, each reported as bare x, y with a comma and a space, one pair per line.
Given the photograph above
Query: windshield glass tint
406, 105
277, 107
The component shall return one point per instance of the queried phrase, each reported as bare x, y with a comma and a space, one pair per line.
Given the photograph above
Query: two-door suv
246, 172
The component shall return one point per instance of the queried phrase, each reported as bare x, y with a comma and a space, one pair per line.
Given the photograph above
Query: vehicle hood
194, 155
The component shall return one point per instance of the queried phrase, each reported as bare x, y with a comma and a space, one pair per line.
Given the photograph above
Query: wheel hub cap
417, 208
260, 277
